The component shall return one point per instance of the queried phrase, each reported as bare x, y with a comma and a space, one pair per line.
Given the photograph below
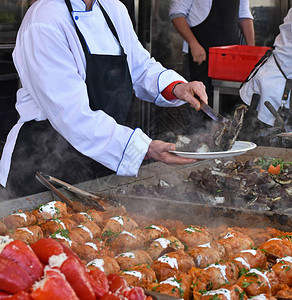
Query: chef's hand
198, 53
158, 150
190, 92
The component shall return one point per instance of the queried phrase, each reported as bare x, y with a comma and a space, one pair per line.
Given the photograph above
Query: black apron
220, 28
41, 148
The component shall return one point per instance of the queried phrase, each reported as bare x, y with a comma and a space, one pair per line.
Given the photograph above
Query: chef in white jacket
78, 62
272, 80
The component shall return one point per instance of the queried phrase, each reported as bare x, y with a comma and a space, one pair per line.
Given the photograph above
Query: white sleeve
149, 77
179, 7
49, 73
244, 10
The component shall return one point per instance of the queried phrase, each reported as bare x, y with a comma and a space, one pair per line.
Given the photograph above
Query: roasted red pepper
69, 253
13, 278
99, 282
109, 296
4, 295
77, 276
136, 293
53, 286
22, 254
45, 248
19, 296
117, 284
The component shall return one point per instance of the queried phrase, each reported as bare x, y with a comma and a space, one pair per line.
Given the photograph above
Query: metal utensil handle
72, 188
48, 185
273, 111
87, 198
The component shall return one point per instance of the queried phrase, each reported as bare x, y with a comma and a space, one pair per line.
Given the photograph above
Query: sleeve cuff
167, 93
165, 79
134, 154
176, 15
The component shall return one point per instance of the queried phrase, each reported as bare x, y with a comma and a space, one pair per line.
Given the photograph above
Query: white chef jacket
269, 82
196, 11
52, 68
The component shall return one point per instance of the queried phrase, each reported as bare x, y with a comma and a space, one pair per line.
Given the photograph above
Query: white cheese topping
61, 223
87, 215
127, 254
163, 242
22, 215
99, 263
171, 281
274, 239
193, 229
92, 245
169, 260
61, 237
4, 240
260, 297
251, 251
259, 273
134, 273
86, 229
208, 245
199, 259
222, 269
286, 258
243, 261
119, 219
57, 260
26, 229
128, 233
228, 235
223, 292
155, 227
49, 208
41, 283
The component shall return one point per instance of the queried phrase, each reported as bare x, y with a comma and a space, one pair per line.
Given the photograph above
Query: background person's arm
247, 28
183, 28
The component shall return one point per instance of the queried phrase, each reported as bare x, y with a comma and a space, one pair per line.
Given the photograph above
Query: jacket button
76, 17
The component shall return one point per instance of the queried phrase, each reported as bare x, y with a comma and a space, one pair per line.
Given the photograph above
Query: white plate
239, 148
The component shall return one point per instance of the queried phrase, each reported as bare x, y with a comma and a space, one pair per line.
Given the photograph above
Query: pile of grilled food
261, 183
113, 254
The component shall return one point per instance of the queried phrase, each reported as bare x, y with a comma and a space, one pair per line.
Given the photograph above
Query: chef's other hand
198, 53
158, 150
190, 92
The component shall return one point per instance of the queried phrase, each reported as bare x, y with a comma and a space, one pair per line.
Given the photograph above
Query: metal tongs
277, 116
88, 199
214, 115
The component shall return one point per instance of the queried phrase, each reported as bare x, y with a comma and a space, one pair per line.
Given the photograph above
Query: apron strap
260, 63
108, 21
80, 36
278, 65
287, 91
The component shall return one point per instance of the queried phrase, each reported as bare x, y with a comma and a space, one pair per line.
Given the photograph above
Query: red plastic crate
235, 62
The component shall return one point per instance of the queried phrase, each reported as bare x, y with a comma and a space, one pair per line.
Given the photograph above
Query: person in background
270, 81
78, 63
206, 23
